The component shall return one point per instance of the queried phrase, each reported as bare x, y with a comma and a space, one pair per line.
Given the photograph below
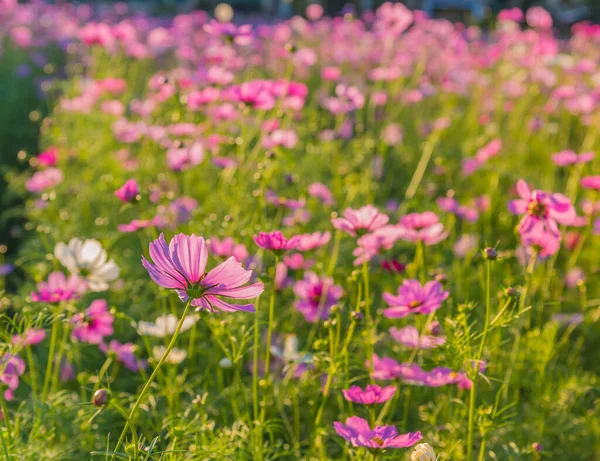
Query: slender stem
48, 375
270, 330
369, 320
5, 447
32, 372
255, 351
472, 397
146, 387
6, 417
121, 410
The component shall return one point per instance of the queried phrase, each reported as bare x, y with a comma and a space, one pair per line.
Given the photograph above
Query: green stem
146, 387
6, 417
48, 375
258, 440
120, 409
472, 397
369, 321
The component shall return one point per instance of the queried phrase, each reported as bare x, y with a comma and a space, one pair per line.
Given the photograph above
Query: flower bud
511, 292
490, 253
357, 316
101, 397
225, 363
423, 452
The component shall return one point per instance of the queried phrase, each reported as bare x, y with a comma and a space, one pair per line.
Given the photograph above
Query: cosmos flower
591, 182
94, 324
44, 179
124, 353
372, 394
275, 241
307, 242
49, 157
569, 157
322, 192
359, 222
409, 336
175, 356
165, 325
59, 288
11, 368
422, 227
359, 434
88, 260
541, 208
414, 298
29, 337
129, 191
423, 452
181, 265
315, 296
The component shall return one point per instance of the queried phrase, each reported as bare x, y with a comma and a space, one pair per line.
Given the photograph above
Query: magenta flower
422, 227
129, 191
227, 248
443, 376
59, 288
409, 336
44, 179
137, 224
49, 157
541, 242
371, 395
591, 182
181, 265
541, 208
11, 368
569, 157
93, 325
296, 261
359, 222
307, 242
316, 296
414, 298
357, 432
29, 337
275, 241
322, 192
124, 353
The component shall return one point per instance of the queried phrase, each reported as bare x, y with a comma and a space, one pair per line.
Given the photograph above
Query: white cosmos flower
290, 352
423, 452
175, 356
87, 259
165, 325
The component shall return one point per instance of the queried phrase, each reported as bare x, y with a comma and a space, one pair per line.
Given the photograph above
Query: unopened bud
490, 254
101, 397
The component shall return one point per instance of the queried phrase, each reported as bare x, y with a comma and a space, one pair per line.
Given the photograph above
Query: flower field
372, 236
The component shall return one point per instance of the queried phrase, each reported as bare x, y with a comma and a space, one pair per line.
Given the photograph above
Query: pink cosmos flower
285, 202
359, 434
409, 337
307, 242
181, 265
393, 265
275, 241
124, 353
315, 296
296, 261
371, 395
359, 222
227, 247
371, 244
386, 368
59, 288
136, 225
541, 242
11, 368
29, 337
591, 182
92, 326
321, 191
414, 298
49, 157
538, 18
314, 11
443, 376
44, 179
569, 157
129, 191
424, 227
541, 208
